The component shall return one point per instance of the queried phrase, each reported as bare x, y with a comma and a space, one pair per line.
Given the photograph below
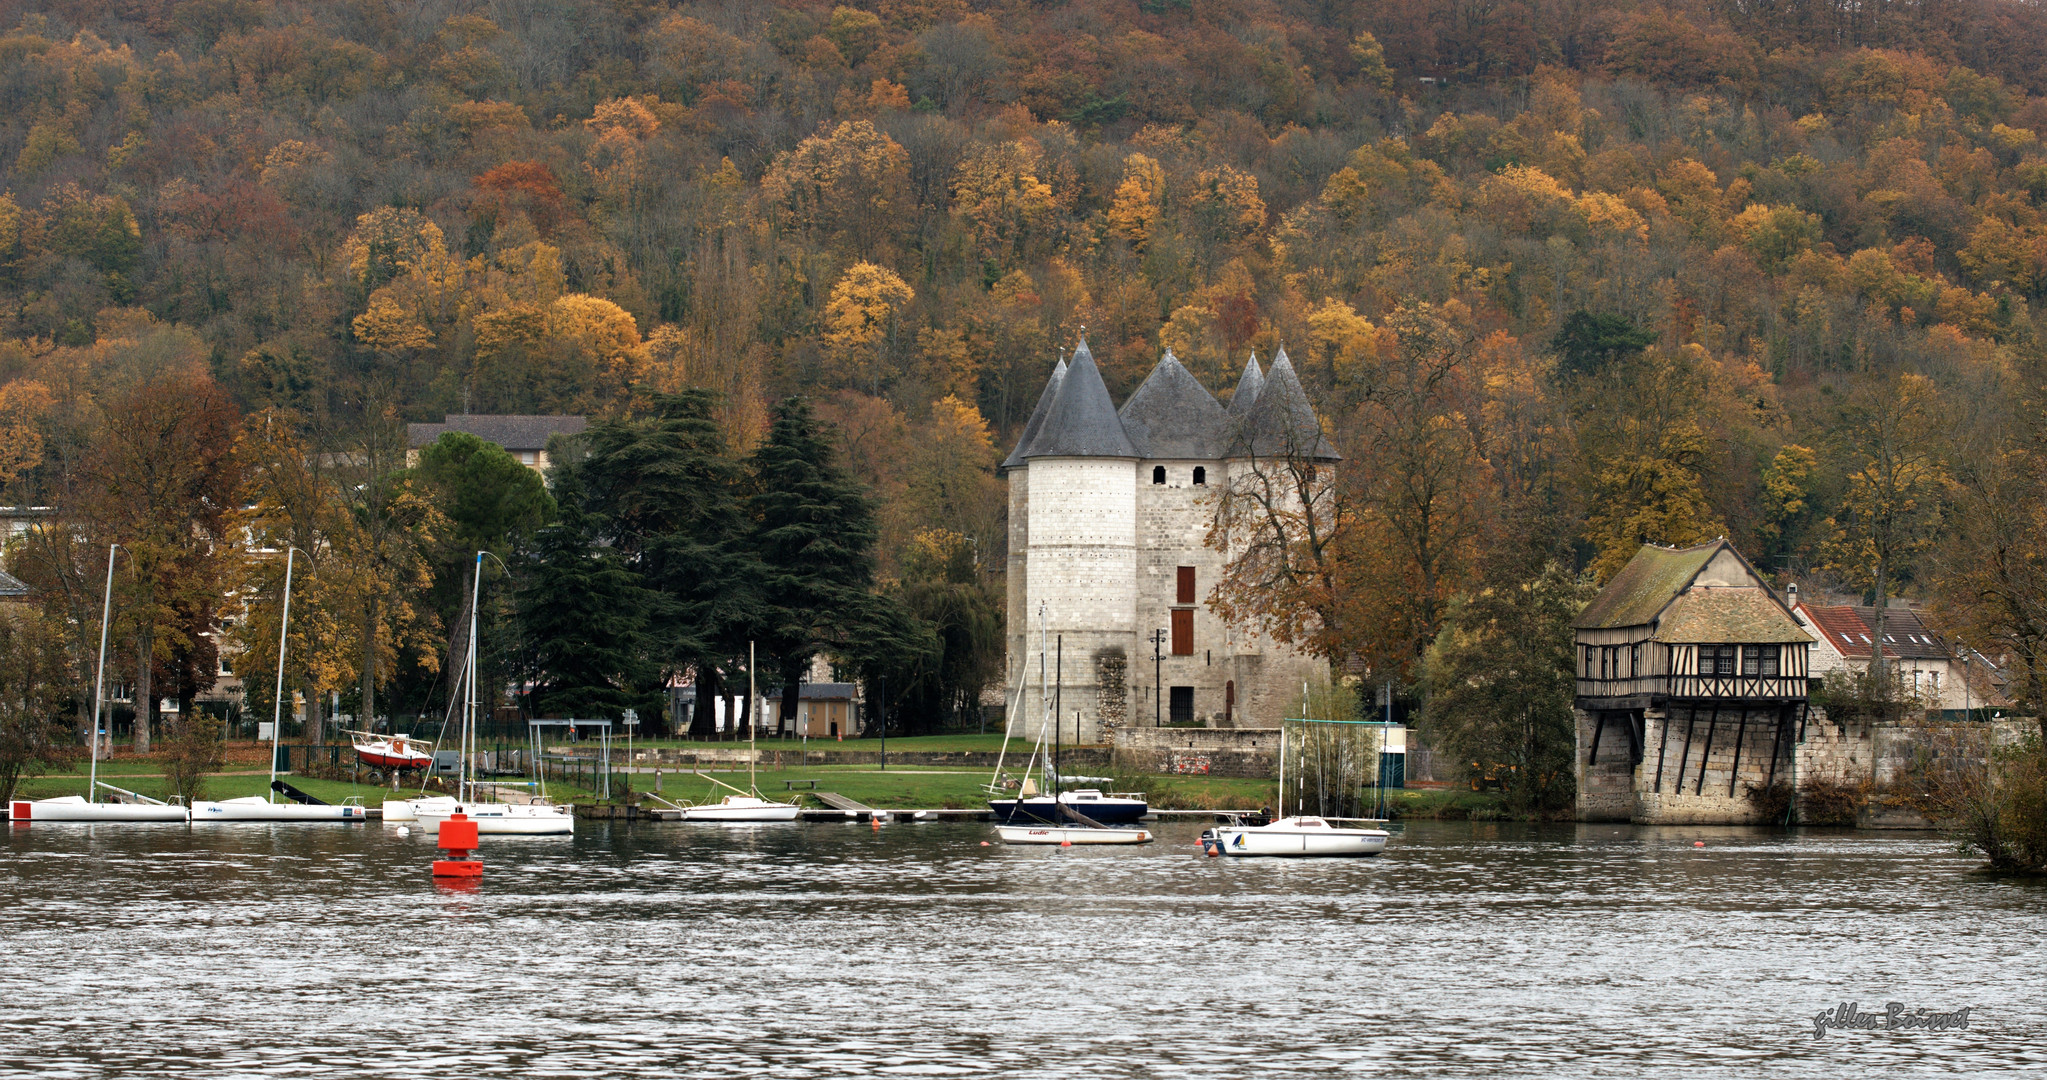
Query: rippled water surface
834, 950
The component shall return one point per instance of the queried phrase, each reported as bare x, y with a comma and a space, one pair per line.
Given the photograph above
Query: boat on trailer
1294, 836
397, 753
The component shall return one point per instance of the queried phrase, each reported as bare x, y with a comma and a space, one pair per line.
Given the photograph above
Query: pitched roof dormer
1082, 421
1173, 416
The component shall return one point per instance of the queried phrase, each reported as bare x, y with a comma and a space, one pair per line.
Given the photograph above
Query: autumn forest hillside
1563, 276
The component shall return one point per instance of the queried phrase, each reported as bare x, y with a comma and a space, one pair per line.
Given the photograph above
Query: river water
836, 950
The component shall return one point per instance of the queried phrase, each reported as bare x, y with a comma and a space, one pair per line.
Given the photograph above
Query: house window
1759, 660
1634, 660
1588, 661
1180, 705
1158, 474
1186, 585
1183, 631
1716, 659
1200, 475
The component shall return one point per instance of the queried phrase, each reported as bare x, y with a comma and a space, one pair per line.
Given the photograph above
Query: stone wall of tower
1016, 580
1267, 673
1172, 529
1082, 567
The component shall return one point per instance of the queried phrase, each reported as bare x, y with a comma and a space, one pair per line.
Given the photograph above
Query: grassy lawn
933, 789
990, 743
899, 787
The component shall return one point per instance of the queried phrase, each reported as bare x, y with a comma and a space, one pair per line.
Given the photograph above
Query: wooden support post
1706, 753
1734, 770
1691, 722
1662, 745
1596, 733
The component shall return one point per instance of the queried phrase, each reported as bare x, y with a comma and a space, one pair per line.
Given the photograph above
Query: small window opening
1200, 474
1158, 474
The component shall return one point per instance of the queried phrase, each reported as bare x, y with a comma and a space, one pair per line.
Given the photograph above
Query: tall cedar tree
585, 617
815, 532
664, 493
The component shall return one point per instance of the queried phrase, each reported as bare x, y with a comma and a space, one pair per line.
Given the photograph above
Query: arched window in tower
1158, 474
1200, 475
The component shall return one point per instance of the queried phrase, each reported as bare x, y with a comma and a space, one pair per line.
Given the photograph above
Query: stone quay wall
1699, 781
1251, 753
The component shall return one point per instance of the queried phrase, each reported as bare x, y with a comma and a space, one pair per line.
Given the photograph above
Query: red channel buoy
1698, 843
1065, 843
458, 842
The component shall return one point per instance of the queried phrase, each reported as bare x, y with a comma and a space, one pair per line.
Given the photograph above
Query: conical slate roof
1037, 420
1281, 422
1252, 381
1082, 421
1173, 416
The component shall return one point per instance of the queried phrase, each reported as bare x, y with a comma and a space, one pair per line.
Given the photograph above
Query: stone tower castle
1109, 515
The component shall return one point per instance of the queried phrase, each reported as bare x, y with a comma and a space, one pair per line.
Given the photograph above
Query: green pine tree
665, 493
815, 532
585, 616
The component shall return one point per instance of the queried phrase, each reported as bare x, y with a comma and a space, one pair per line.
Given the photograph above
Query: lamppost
1158, 688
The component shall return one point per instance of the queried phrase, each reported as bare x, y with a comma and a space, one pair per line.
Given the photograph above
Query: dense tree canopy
1563, 277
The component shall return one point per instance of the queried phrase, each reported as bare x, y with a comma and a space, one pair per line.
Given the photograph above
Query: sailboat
265, 807
492, 818
748, 805
81, 807
1063, 817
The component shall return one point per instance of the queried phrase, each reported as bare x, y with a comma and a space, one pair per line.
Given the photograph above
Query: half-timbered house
1692, 680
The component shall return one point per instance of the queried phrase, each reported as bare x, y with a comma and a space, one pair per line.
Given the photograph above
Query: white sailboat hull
1053, 834
398, 810
75, 808
742, 808
498, 819
1298, 837
256, 808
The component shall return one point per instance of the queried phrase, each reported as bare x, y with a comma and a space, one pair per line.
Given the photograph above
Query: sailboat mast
752, 721
1058, 710
469, 713
99, 686
277, 706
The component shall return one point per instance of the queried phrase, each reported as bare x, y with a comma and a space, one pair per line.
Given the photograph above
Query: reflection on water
827, 950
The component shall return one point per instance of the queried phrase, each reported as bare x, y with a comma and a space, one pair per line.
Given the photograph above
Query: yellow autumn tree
998, 198
1140, 199
861, 326
1225, 202
850, 185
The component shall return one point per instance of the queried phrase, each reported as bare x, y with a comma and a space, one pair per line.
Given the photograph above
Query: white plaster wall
1082, 568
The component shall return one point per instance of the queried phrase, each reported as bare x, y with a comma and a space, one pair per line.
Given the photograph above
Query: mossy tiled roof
1644, 587
1728, 614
